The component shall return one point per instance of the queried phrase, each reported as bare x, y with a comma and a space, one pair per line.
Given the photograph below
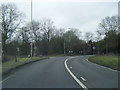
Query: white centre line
74, 77
70, 67
83, 78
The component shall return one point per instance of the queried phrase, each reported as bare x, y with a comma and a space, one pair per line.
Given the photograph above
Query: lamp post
106, 42
0, 48
31, 10
35, 48
31, 24
64, 46
31, 48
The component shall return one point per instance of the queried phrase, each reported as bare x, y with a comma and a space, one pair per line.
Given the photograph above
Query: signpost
94, 47
18, 50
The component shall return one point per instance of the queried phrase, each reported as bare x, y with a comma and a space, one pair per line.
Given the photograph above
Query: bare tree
108, 24
10, 19
59, 32
24, 34
71, 39
108, 29
47, 28
32, 29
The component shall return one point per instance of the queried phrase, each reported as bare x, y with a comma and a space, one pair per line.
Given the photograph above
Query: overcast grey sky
82, 15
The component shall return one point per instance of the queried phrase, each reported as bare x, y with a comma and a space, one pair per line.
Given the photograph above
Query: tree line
38, 38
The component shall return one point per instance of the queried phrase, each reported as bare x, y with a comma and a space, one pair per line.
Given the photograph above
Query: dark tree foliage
109, 28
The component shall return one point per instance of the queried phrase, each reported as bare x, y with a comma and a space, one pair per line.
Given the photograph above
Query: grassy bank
20, 61
108, 61
11, 64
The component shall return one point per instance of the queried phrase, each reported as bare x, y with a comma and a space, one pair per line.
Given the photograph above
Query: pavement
62, 72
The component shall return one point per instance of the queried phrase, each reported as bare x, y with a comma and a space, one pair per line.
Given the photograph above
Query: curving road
52, 73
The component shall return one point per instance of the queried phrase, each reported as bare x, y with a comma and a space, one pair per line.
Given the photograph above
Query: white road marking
74, 77
70, 67
83, 78
4, 80
103, 66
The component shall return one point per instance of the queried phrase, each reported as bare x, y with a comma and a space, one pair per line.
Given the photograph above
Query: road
52, 73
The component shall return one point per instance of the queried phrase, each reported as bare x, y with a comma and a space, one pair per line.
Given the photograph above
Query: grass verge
107, 61
7, 66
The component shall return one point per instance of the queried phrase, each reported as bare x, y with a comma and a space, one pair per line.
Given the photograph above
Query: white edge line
74, 77
103, 66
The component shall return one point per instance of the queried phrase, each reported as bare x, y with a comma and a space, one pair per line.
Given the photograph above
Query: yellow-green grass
20, 61
108, 61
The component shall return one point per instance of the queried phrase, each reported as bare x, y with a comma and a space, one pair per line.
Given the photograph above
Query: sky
84, 15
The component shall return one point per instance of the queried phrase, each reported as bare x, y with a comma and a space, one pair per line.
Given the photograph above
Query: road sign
18, 49
94, 47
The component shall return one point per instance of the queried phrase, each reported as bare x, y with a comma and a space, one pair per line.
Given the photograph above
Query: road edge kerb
8, 71
103, 66
73, 76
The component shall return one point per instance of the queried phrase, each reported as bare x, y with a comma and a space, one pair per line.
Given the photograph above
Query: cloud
83, 15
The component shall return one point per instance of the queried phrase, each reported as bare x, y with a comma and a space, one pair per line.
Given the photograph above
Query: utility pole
64, 46
31, 10
31, 24
0, 49
31, 48
35, 49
